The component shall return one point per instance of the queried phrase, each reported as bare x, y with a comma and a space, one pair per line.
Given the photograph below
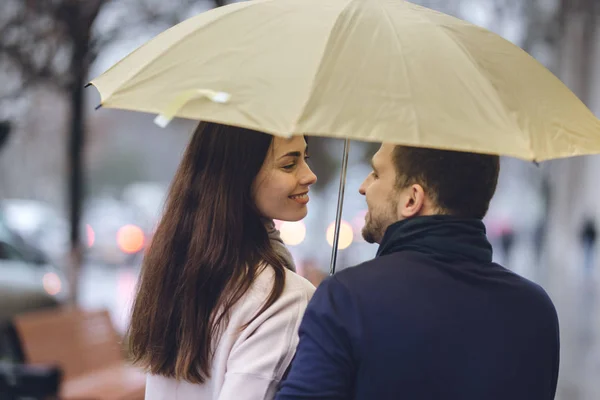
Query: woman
218, 305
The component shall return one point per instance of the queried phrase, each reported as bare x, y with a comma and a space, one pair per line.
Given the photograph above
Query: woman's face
282, 184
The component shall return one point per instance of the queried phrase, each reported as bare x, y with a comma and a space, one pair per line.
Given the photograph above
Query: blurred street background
62, 163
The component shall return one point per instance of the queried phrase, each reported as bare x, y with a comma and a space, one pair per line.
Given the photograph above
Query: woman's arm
264, 350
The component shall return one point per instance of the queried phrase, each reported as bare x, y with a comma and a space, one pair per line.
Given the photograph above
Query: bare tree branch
53, 41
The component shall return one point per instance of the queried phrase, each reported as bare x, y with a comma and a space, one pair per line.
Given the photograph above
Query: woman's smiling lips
301, 198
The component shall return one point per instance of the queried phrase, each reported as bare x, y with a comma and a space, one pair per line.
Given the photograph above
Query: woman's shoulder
289, 306
296, 293
293, 282
297, 282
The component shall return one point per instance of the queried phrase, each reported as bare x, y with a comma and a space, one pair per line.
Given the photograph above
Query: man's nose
363, 187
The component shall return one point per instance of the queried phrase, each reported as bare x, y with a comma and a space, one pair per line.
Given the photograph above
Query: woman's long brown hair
207, 250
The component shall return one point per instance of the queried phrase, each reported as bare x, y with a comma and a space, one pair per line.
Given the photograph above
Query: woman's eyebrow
291, 154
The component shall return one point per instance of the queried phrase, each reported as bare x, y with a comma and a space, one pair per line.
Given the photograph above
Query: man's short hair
460, 183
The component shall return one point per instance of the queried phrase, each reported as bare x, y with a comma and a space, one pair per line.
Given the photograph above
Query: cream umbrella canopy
371, 70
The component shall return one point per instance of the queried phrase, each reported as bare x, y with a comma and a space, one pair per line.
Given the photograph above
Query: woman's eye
293, 165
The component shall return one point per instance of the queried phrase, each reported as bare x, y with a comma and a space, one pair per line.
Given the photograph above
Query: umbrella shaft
340, 205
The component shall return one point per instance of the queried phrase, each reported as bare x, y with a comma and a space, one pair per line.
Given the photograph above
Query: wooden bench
87, 348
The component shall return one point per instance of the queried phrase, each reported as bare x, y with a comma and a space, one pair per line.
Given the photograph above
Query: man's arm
326, 358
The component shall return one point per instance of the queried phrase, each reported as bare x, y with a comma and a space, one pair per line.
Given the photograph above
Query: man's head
408, 182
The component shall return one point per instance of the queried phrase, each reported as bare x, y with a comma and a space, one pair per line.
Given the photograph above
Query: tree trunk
79, 18
80, 68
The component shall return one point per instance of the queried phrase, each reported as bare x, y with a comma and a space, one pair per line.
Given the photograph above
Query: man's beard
375, 226
373, 230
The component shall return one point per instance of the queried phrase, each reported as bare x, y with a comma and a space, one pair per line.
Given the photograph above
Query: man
431, 317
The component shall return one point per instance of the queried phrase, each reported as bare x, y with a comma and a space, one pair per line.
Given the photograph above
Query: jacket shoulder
358, 273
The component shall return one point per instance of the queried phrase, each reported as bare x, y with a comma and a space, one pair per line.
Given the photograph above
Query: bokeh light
130, 239
52, 284
292, 233
91, 235
346, 235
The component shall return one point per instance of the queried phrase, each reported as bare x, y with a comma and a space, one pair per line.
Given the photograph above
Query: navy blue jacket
430, 318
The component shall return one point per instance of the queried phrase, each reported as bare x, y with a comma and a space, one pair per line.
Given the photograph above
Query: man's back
430, 318
431, 330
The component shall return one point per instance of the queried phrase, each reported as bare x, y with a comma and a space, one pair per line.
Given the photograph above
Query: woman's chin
293, 216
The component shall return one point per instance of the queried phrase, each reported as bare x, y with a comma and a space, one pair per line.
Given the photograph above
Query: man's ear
412, 201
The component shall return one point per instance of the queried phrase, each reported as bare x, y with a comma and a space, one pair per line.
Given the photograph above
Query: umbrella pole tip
99, 106
88, 85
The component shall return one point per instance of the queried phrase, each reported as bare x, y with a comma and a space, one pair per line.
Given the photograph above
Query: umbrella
371, 70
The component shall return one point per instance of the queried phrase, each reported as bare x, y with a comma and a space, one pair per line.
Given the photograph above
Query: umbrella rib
313, 85
400, 45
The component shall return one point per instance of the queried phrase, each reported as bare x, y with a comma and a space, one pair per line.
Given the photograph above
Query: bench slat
86, 347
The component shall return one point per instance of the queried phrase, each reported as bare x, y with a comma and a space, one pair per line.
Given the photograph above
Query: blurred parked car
113, 232
28, 281
39, 225
27, 277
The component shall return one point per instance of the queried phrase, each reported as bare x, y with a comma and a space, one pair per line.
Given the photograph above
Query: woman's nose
308, 177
